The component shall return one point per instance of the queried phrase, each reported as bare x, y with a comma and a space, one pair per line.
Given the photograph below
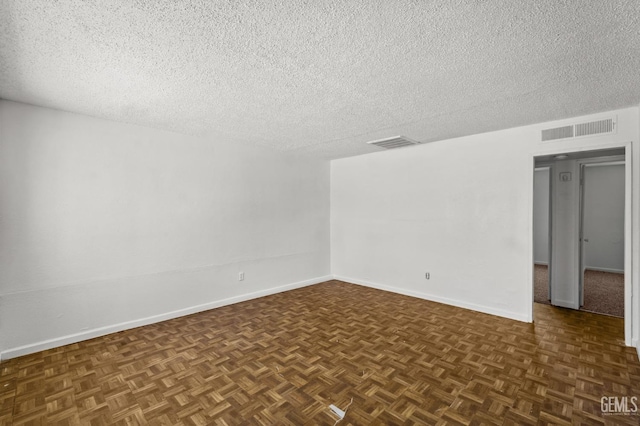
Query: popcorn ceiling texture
322, 77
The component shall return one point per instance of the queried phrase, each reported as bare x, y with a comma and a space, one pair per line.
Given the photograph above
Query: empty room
322, 213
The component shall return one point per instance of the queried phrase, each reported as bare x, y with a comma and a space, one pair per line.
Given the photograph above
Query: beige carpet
603, 291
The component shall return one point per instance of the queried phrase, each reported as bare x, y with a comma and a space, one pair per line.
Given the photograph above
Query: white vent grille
557, 133
594, 128
394, 142
580, 130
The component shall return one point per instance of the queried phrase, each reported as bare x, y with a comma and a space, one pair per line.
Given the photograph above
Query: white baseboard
453, 302
97, 332
615, 271
636, 343
541, 263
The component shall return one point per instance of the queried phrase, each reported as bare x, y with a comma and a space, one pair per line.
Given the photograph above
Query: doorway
578, 245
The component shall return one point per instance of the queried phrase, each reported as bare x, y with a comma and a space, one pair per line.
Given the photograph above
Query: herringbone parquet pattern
283, 359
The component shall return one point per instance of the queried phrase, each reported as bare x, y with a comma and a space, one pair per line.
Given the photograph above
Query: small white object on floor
339, 412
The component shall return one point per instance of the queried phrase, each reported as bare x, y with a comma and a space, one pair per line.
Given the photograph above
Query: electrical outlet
427, 275
240, 276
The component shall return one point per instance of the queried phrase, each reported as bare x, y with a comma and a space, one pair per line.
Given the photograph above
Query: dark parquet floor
285, 358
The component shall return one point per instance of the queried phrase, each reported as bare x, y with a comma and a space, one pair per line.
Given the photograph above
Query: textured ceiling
322, 77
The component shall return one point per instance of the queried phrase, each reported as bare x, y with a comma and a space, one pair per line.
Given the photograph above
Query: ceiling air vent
394, 142
580, 130
557, 133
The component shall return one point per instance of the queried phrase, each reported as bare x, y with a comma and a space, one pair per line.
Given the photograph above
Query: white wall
461, 209
454, 209
541, 216
604, 217
105, 225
